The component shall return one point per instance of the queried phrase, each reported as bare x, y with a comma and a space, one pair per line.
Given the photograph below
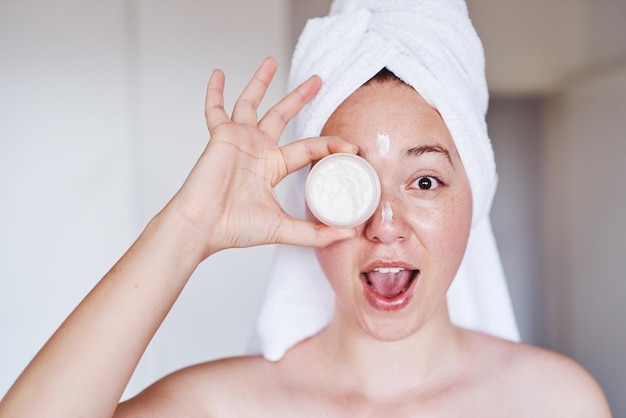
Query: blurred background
101, 118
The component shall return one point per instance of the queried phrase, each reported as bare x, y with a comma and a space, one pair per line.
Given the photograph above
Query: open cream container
342, 190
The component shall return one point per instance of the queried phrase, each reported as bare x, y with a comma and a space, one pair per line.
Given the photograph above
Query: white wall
101, 107
66, 211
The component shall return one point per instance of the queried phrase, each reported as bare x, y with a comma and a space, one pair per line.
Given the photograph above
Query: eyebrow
423, 149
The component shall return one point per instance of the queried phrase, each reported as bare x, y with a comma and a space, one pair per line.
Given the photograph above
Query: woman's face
394, 276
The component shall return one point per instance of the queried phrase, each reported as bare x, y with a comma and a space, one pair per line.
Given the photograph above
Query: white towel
432, 46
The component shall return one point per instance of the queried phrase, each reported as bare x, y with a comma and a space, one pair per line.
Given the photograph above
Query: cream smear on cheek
382, 143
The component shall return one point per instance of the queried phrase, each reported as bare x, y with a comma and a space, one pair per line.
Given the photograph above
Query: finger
274, 122
305, 151
309, 234
245, 110
214, 103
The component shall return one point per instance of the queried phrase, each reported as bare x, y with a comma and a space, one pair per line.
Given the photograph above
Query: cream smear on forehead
387, 214
382, 143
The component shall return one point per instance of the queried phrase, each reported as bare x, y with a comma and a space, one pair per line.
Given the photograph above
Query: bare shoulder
215, 388
542, 382
559, 383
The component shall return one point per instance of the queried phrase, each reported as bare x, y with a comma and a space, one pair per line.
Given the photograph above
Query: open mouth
389, 288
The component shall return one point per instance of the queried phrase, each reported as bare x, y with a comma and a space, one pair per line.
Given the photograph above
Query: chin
390, 330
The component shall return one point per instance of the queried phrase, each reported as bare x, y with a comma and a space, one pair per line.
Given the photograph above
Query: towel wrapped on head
432, 46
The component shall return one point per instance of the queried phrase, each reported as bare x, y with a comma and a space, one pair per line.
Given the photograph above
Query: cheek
454, 228
333, 260
443, 229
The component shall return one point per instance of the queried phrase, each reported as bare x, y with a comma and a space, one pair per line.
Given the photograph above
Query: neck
385, 368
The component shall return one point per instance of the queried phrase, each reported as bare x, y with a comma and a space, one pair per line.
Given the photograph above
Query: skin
406, 362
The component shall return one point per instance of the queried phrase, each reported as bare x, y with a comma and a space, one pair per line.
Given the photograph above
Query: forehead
391, 107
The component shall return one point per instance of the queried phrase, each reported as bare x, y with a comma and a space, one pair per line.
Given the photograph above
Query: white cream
382, 143
342, 190
386, 214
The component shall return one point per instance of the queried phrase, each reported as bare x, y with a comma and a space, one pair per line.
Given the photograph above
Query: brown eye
426, 183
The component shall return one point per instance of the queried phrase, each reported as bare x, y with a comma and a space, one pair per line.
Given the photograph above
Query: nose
387, 224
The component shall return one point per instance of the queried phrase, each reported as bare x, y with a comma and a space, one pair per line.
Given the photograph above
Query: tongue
389, 285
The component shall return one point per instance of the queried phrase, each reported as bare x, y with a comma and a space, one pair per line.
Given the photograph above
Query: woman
374, 357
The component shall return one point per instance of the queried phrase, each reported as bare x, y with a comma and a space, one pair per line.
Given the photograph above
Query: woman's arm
227, 201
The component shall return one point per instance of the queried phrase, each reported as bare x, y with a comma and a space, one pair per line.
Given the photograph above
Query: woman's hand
229, 195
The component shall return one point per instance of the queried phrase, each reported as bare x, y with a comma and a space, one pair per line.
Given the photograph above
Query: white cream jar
342, 190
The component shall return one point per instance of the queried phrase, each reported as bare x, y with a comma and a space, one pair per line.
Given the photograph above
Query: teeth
389, 269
